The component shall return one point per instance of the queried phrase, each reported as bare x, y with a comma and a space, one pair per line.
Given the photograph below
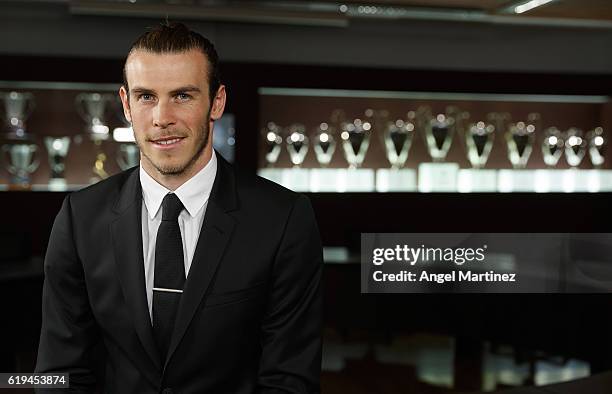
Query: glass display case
332, 140
60, 136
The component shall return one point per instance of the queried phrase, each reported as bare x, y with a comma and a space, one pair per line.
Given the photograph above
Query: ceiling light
519, 9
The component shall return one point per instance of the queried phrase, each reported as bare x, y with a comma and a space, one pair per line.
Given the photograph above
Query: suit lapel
215, 234
127, 243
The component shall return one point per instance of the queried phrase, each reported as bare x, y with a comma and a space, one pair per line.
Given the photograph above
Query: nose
163, 115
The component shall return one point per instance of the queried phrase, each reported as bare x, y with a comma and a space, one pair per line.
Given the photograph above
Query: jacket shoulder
103, 193
263, 193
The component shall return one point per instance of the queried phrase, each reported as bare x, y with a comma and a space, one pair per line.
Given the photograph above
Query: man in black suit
182, 275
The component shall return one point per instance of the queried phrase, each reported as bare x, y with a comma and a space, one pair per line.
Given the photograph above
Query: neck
173, 182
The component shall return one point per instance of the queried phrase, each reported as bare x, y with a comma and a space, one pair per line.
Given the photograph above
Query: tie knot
171, 207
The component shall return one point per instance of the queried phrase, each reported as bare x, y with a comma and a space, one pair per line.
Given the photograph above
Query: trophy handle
9, 166
32, 167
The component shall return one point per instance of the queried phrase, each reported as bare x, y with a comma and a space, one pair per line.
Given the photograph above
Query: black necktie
169, 276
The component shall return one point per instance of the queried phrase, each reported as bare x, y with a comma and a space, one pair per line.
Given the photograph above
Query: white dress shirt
194, 195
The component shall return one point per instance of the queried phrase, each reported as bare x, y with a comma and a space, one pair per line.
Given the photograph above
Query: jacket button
167, 390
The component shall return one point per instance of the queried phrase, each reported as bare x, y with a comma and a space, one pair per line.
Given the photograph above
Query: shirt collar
193, 194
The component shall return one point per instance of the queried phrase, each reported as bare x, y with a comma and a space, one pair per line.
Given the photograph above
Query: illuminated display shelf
421, 180
307, 108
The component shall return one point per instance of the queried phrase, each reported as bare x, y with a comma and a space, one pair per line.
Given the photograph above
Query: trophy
324, 144
274, 142
57, 149
597, 144
520, 137
397, 138
92, 108
128, 156
297, 143
355, 136
552, 146
438, 130
18, 107
575, 146
98, 168
21, 162
479, 138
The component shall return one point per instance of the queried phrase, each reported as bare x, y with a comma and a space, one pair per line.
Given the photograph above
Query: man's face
169, 108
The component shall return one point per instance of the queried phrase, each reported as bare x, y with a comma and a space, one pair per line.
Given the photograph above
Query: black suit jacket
250, 315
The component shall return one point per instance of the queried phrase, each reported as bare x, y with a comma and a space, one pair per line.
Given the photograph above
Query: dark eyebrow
139, 90
183, 89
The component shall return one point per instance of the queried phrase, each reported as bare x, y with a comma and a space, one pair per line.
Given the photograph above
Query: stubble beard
181, 168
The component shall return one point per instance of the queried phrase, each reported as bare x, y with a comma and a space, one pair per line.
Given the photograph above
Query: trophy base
272, 174
476, 180
57, 185
325, 180
575, 180
547, 181
601, 180
19, 187
356, 180
396, 180
296, 179
516, 181
438, 177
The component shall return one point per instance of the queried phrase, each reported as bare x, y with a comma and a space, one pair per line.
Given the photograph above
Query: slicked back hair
174, 37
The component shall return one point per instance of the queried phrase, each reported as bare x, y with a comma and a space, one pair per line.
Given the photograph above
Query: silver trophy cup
575, 146
92, 108
552, 146
324, 144
18, 107
57, 149
128, 156
479, 137
274, 142
438, 130
397, 139
355, 135
520, 137
597, 144
21, 161
297, 143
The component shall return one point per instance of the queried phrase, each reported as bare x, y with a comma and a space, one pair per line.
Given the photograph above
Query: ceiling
569, 13
584, 9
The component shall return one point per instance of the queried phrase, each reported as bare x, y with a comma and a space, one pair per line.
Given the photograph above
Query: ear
218, 104
126, 103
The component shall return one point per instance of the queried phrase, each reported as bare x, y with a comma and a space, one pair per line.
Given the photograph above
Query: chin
171, 169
